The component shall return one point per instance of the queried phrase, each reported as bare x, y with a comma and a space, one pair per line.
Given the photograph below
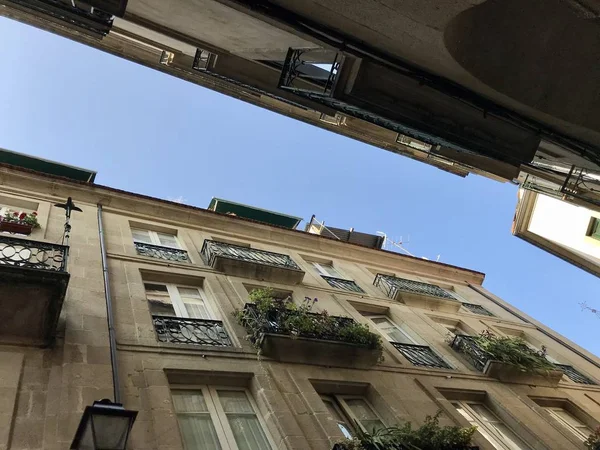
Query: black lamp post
104, 426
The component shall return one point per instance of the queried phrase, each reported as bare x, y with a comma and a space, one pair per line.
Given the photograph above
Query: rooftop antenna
392, 244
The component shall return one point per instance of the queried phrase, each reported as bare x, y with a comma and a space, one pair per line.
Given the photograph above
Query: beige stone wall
44, 391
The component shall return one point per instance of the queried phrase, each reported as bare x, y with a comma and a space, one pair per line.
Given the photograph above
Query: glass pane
247, 432
110, 431
198, 432
189, 292
484, 413
161, 308
235, 402
150, 287
168, 240
463, 412
141, 236
393, 333
360, 409
189, 402
508, 437
336, 414
197, 310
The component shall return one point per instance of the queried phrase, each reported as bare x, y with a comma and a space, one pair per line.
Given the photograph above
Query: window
569, 421
203, 60
213, 418
349, 411
178, 301
594, 229
392, 331
326, 270
491, 427
155, 238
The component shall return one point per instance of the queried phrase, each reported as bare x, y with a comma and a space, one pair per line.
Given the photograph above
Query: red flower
16, 214
22, 215
34, 213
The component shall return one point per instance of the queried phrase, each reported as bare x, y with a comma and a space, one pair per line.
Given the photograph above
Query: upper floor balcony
252, 263
33, 284
549, 374
416, 293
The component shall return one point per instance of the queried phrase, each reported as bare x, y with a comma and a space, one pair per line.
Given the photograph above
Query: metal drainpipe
109, 312
554, 338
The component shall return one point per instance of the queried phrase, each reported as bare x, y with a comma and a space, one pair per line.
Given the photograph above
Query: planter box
15, 227
509, 373
316, 351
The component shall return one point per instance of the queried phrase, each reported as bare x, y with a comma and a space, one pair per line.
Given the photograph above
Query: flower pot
15, 227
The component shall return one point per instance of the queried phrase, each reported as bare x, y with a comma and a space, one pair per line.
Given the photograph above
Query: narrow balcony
180, 330
343, 284
416, 293
292, 335
487, 363
33, 283
477, 309
160, 252
574, 375
252, 263
421, 355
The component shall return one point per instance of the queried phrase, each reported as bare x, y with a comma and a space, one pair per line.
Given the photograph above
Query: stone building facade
172, 266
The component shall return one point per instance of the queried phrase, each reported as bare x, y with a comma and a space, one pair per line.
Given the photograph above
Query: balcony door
391, 331
179, 301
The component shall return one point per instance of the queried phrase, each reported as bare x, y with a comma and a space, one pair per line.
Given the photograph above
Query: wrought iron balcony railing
180, 330
344, 285
471, 350
574, 374
421, 355
213, 249
33, 254
160, 252
477, 309
391, 286
274, 323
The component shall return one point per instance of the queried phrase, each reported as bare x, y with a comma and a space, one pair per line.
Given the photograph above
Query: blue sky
150, 133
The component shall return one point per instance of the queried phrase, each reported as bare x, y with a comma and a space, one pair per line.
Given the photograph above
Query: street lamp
104, 426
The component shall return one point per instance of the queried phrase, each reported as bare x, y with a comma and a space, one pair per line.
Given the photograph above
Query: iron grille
392, 285
274, 323
160, 252
344, 285
574, 374
471, 350
213, 249
33, 254
180, 330
316, 70
477, 309
421, 355
87, 18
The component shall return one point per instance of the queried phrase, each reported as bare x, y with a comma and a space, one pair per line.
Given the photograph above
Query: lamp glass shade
110, 431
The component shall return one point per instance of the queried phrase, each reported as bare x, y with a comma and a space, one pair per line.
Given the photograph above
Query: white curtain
245, 426
197, 428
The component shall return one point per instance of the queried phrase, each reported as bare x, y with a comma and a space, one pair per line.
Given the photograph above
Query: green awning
45, 166
250, 212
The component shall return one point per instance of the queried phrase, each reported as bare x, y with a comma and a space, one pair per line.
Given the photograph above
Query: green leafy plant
515, 351
283, 316
429, 436
22, 217
593, 441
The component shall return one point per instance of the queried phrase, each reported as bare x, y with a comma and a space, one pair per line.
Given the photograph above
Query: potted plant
429, 436
593, 441
282, 330
19, 222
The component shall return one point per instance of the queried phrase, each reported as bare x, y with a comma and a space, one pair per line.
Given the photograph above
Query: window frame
394, 324
594, 228
321, 270
216, 411
489, 433
154, 238
178, 303
571, 429
339, 403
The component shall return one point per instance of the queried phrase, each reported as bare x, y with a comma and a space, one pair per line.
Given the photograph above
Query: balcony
342, 284
574, 375
248, 262
417, 294
477, 309
160, 252
33, 282
180, 330
289, 335
505, 372
421, 355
